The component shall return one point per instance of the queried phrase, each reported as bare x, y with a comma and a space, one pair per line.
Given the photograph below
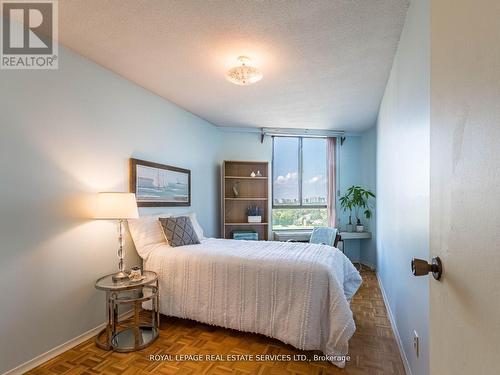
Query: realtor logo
29, 34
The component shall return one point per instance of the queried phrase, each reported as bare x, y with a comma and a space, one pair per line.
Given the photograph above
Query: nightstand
133, 333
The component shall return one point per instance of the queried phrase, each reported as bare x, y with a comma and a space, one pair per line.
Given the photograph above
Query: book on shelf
245, 235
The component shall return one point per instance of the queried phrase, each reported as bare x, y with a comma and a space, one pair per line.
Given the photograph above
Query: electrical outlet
416, 343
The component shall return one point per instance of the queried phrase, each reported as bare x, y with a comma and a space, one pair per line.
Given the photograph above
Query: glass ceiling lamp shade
244, 74
117, 206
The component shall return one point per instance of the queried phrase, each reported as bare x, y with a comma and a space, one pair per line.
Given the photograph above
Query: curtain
331, 174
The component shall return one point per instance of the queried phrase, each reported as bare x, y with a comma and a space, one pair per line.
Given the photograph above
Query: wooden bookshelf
252, 191
246, 178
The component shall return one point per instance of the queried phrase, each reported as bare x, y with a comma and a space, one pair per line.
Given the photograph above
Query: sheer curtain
331, 145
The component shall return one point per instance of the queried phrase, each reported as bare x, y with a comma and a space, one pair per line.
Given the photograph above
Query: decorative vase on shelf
255, 219
235, 190
259, 174
349, 227
252, 174
359, 227
254, 214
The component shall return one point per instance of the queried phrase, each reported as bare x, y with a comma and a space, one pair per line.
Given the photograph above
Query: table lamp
117, 206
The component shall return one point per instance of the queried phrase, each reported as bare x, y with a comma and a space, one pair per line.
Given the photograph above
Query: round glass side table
132, 333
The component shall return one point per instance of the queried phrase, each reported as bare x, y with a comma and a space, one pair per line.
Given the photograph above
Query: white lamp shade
116, 206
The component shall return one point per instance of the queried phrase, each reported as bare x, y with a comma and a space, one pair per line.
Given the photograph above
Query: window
299, 182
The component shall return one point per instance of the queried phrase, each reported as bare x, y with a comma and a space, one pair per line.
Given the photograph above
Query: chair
325, 236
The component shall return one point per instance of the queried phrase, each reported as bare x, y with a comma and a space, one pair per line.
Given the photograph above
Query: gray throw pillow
179, 231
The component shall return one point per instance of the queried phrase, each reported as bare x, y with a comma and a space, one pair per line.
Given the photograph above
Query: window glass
300, 183
299, 218
314, 178
286, 171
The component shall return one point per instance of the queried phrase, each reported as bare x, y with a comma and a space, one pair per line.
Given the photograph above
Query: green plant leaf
357, 198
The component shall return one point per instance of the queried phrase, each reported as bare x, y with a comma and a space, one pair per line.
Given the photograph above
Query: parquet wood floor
373, 348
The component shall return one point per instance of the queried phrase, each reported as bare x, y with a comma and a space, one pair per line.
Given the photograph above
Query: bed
297, 293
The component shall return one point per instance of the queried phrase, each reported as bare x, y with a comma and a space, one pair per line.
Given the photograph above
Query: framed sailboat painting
158, 185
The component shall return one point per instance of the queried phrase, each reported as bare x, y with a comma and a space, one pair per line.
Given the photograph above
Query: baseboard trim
406, 364
42, 358
372, 267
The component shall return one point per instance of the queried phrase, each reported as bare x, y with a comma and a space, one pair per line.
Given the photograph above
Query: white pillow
147, 234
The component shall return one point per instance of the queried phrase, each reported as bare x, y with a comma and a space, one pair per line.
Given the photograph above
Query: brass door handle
420, 267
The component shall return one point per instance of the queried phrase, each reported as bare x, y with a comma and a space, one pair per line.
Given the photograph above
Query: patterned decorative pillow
179, 231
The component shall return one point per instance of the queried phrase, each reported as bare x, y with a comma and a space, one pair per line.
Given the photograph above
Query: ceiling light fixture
244, 74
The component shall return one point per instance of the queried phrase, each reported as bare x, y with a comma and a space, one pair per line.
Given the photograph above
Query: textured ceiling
325, 63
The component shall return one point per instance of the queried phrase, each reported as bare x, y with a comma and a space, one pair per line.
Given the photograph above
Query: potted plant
254, 214
358, 199
346, 204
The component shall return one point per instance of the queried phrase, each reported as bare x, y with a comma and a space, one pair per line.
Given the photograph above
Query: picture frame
159, 185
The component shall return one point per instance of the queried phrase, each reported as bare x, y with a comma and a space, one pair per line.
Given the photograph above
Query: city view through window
299, 183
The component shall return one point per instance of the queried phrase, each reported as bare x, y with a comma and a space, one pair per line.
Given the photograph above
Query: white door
465, 187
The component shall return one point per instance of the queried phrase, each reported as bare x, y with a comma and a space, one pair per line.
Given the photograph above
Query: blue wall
403, 185
69, 133
368, 251
357, 166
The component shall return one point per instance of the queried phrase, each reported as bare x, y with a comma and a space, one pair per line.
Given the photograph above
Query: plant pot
350, 227
254, 219
360, 228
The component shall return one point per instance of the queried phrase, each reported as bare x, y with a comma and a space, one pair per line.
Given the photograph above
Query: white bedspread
294, 292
